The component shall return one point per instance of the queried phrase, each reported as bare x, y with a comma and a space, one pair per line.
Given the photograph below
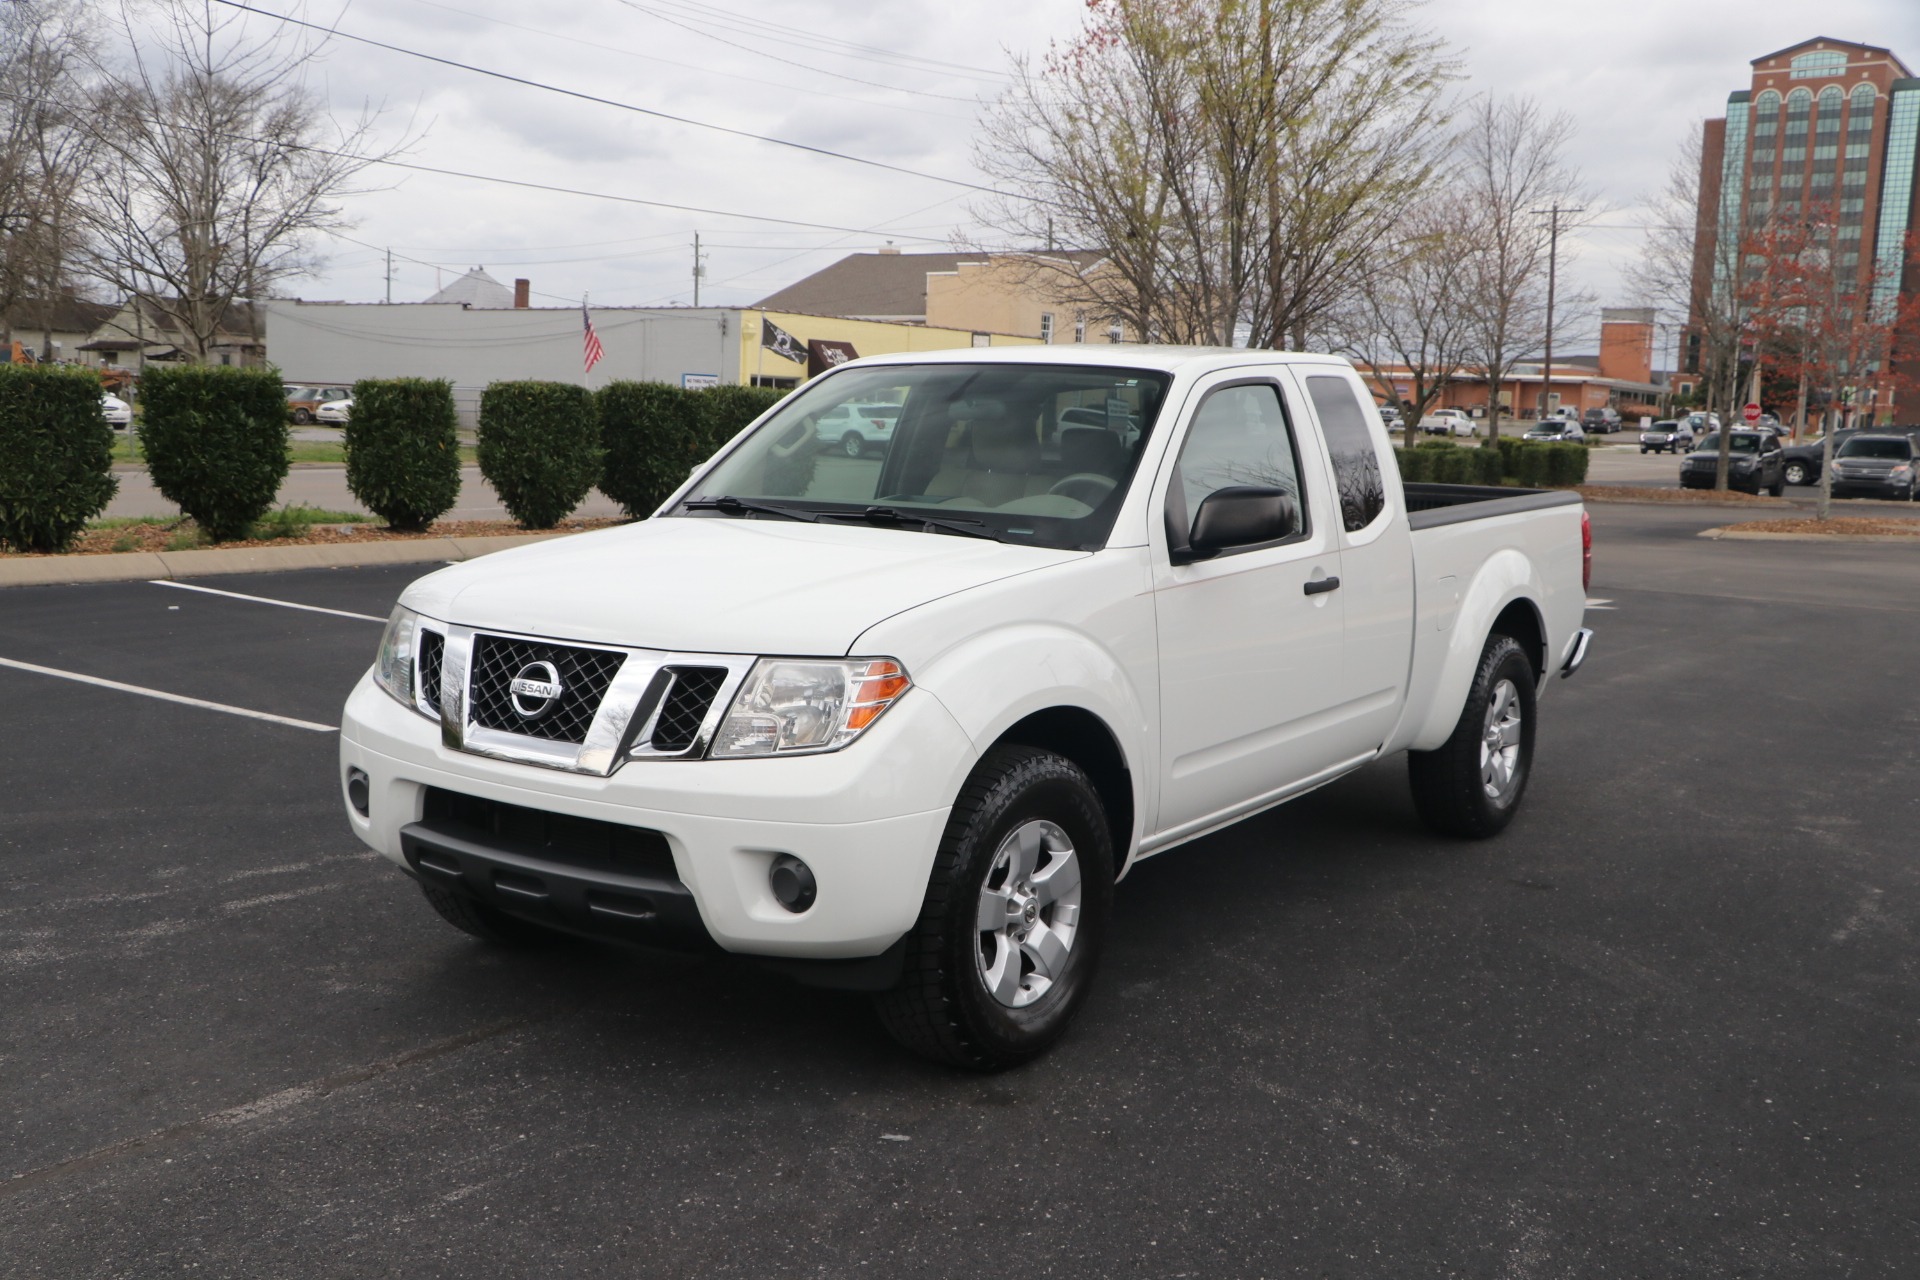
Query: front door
1250, 639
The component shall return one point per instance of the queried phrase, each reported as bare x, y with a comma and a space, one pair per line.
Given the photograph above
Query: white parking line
284, 604
1595, 602
168, 697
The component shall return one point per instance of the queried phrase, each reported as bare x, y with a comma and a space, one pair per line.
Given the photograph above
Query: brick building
1822, 125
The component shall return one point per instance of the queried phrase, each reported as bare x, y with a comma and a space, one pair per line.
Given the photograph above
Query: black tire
487, 923
1643, 448
301, 417
1796, 473
1779, 489
1448, 790
853, 444
942, 1008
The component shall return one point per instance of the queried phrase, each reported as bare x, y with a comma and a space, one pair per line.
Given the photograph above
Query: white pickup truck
900, 722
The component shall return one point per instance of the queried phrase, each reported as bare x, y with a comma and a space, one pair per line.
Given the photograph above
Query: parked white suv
902, 728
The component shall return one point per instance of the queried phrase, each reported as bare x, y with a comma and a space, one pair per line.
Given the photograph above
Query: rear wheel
1016, 911
1796, 473
487, 923
1472, 784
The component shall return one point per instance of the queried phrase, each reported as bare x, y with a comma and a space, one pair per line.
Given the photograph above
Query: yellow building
831, 339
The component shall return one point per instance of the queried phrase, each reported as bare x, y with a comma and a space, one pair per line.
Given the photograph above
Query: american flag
593, 349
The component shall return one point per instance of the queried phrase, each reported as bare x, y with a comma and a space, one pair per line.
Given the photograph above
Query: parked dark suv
1599, 421
1874, 466
1754, 463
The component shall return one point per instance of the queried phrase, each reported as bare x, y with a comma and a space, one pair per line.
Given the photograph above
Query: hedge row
56, 455
654, 434
1531, 464
215, 440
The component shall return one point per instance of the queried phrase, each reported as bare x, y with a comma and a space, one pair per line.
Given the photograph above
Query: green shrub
56, 455
539, 447
1415, 464
1566, 464
1443, 462
216, 442
403, 449
653, 434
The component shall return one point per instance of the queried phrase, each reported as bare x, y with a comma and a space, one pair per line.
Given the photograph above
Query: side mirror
1242, 515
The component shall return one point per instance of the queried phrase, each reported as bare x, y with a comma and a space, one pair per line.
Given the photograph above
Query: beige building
135, 334
983, 293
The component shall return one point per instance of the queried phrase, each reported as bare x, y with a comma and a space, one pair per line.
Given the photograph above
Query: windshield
1034, 454
1743, 442
1666, 426
1867, 447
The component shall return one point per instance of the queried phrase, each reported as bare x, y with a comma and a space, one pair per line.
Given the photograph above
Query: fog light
792, 883
359, 790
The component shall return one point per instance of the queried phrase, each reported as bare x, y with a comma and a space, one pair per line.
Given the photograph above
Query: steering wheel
1089, 487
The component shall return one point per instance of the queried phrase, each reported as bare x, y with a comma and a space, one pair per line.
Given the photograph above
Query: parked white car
117, 412
856, 428
906, 740
334, 413
1443, 422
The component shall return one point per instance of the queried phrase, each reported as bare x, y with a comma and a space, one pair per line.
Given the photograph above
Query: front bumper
1861, 488
866, 820
1744, 482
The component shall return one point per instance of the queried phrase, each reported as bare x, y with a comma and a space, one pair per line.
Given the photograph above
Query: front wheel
301, 417
1472, 784
1016, 911
1779, 487
853, 444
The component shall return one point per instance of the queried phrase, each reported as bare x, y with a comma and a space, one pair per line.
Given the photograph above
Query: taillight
1586, 551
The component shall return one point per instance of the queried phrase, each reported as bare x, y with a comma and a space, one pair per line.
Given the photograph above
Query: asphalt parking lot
1664, 1026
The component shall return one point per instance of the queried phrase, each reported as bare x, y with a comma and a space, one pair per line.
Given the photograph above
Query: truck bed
1431, 505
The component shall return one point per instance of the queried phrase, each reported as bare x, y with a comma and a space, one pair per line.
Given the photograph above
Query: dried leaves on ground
1837, 527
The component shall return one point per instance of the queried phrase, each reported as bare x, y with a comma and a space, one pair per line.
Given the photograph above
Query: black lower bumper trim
647, 910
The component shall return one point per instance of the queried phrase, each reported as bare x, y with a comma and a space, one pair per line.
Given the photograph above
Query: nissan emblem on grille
535, 689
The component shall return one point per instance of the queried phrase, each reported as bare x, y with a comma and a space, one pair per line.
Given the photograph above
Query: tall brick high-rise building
1824, 125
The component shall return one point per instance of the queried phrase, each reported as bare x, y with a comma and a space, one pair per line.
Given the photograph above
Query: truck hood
718, 585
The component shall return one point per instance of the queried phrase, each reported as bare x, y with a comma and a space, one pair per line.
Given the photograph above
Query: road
1661, 1027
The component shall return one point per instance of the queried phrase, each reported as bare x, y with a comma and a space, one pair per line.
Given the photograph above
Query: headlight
791, 706
393, 668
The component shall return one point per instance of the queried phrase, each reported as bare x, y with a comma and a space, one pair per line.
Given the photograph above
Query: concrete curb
1735, 535
141, 566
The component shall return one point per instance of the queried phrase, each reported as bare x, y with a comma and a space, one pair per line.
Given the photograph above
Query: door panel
1249, 662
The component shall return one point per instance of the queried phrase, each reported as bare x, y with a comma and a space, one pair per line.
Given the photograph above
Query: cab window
1356, 466
1240, 436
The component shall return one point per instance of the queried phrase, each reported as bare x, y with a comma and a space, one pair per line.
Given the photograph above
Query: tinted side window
1239, 436
1356, 467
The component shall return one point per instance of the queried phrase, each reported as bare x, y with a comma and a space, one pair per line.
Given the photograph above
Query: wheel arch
1084, 738
1521, 620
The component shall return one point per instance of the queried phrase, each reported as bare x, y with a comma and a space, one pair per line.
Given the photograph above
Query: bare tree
1690, 263
1232, 159
217, 166
1405, 322
1511, 152
44, 151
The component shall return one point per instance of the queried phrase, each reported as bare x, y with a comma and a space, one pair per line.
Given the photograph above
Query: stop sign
1751, 413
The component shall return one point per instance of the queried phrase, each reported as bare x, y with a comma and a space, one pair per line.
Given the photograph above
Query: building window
1823, 62
1080, 326
1046, 326
779, 384
1830, 100
1793, 155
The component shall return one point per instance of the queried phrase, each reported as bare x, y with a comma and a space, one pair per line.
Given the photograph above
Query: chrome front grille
613, 704
584, 677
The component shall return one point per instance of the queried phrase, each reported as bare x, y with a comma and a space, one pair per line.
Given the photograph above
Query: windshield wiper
893, 515
741, 506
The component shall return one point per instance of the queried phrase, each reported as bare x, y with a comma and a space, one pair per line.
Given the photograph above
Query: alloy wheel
1500, 741
1029, 913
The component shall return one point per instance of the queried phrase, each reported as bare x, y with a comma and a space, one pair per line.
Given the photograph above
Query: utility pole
699, 268
1553, 263
389, 277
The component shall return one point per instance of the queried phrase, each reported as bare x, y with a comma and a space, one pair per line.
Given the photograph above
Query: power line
709, 71
825, 43
608, 102
545, 186
762, 53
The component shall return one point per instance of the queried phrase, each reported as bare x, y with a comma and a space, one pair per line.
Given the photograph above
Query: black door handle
1321, 586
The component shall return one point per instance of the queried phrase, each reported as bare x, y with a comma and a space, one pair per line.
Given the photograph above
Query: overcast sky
902, 82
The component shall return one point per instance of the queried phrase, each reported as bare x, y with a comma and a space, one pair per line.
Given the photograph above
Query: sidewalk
324, 485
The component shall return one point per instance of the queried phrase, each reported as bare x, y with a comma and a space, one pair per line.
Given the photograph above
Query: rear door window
1356, 465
